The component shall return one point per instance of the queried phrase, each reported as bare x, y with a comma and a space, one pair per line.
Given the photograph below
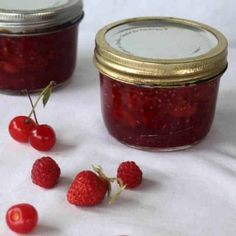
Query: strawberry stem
41, 95
113, 198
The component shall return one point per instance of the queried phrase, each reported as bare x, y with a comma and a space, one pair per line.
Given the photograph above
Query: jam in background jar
159, 80
43, 49
31, 62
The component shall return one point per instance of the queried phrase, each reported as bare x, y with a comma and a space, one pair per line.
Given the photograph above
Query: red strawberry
45, 172
87, 189
129, 174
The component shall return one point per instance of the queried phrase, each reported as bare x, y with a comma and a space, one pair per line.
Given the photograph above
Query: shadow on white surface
148, 184
222, 167
63, 147
227, 153
232, 43
221, 137
46, 230
64, 182
125, 200
225, 122
85, 74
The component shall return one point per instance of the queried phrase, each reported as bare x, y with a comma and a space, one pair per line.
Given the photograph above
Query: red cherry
42, 137
22, 218
20, 128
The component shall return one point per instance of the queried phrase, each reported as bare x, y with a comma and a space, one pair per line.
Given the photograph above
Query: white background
188, 193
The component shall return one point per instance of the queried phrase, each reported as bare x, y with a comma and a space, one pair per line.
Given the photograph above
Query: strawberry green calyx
102, 175
111, 198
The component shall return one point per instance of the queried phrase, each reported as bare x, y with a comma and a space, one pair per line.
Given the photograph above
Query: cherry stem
32, 105
52, 83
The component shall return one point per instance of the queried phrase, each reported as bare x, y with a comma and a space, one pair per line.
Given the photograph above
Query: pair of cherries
24, 129
41, 137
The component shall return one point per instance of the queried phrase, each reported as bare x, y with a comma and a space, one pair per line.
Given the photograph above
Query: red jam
32, 61
163, 118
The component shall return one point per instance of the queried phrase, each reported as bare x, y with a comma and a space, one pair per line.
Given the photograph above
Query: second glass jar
38, 43
159, 80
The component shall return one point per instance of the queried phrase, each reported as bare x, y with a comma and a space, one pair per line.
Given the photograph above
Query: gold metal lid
160, 51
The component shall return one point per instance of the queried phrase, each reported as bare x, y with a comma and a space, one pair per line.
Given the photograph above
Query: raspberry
45, 172
87, 189
130, 174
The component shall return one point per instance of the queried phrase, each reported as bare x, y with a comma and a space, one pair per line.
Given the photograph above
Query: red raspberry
45, 172
87, 189
130, 174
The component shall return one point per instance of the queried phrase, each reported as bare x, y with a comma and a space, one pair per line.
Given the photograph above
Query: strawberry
129, 174
45, 172
88, 189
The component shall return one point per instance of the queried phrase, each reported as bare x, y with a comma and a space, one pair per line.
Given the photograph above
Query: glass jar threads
38, 42
159, 80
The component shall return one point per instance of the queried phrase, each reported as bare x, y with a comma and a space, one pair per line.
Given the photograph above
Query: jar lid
27, 16
160, 51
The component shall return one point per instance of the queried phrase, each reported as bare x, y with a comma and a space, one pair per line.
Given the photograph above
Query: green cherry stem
32, 105
45, 91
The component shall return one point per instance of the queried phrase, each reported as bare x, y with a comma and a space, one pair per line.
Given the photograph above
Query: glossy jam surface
159, 118
32, 61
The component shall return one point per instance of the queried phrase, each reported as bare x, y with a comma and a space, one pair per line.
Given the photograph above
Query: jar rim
133, 69
16, 21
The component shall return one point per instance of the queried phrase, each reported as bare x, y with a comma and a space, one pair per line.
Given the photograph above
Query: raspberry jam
158, 117
166, 103
38, 43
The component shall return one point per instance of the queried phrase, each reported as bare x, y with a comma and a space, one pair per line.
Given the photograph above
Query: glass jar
159, 80
38, 42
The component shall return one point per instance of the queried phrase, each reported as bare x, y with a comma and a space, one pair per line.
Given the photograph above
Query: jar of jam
159, 80
38, 42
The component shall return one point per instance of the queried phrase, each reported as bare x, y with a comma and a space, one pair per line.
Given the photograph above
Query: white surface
188, 193
182, 41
